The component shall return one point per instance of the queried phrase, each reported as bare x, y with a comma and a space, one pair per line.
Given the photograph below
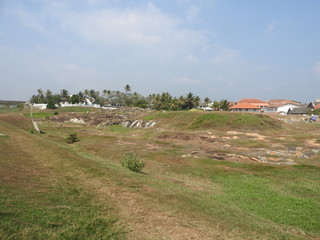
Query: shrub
132, 162
72, 138
56, 113
51, 104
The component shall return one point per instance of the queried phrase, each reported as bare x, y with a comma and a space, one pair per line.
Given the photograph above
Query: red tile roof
251, 100
317, 106
245, 105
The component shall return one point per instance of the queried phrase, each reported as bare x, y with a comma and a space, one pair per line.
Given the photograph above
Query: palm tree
127, 88
190, 100
207, 101
216, 105
41, 98
81, 97
224, 105
64, 95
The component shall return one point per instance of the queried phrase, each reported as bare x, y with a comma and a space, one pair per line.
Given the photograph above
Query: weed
72, 138
132, 162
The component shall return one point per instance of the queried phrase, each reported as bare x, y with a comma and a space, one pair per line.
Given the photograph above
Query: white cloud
192, 13
225, 56
317, 69
31, 19
271, 27
142, 27
191, 59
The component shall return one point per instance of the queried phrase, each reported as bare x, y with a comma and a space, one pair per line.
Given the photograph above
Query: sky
221, 49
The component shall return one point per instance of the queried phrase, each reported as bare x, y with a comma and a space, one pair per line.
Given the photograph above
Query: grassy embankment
55, 190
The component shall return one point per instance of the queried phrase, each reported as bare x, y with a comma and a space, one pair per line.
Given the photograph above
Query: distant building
245, 107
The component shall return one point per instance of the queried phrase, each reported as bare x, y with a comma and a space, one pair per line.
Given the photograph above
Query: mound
239, 121
17, 120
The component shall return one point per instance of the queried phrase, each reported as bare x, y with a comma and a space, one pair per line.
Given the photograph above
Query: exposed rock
77, 120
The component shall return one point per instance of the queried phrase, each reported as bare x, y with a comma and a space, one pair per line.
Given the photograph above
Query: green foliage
56, 113
166, 102
75, 98
51, 104
224, 105
72, 138
132, 162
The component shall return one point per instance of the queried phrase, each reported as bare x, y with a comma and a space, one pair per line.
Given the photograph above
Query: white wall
286, 107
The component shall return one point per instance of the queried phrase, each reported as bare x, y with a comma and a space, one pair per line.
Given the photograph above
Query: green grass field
54, 190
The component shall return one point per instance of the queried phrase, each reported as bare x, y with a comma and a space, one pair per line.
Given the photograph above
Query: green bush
51, 104
132, 162
72, 138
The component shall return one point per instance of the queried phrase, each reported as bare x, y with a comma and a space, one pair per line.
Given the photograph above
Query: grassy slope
198, 198
40, 192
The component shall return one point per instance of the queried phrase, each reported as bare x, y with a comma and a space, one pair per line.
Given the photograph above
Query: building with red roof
245, 107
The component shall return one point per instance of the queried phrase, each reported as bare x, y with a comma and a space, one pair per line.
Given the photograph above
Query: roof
317, 106
280, 102
301, 110
283, 104
244, 105
251, 100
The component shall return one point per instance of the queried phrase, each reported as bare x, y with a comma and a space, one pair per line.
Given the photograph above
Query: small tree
132, 162
51, 104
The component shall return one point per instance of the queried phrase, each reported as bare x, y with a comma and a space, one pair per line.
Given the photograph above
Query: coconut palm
224, 105
65, 97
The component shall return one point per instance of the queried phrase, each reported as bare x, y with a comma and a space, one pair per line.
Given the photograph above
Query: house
10, 104
282, 108
315, 104
245, 107
302, 110
254, 101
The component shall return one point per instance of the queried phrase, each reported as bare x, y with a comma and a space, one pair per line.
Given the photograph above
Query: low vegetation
200, 181
132, 161
72, 138
244, 121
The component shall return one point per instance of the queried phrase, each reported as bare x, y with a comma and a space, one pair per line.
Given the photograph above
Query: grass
47, 202
75, 109
239, 121
54, 190
248, 143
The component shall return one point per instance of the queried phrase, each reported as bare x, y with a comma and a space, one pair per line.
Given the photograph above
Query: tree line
160, 101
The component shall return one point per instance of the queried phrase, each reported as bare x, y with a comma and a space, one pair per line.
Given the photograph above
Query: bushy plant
72, 138
132, 162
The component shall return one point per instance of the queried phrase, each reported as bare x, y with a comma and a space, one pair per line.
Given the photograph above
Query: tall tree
81, 97
216, 105
190, 100
65, 97
224, 105
127, 89
207, 101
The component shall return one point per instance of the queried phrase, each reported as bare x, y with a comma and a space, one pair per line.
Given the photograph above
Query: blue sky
221, 49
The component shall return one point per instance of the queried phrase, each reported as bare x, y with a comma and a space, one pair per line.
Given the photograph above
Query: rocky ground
237, 146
